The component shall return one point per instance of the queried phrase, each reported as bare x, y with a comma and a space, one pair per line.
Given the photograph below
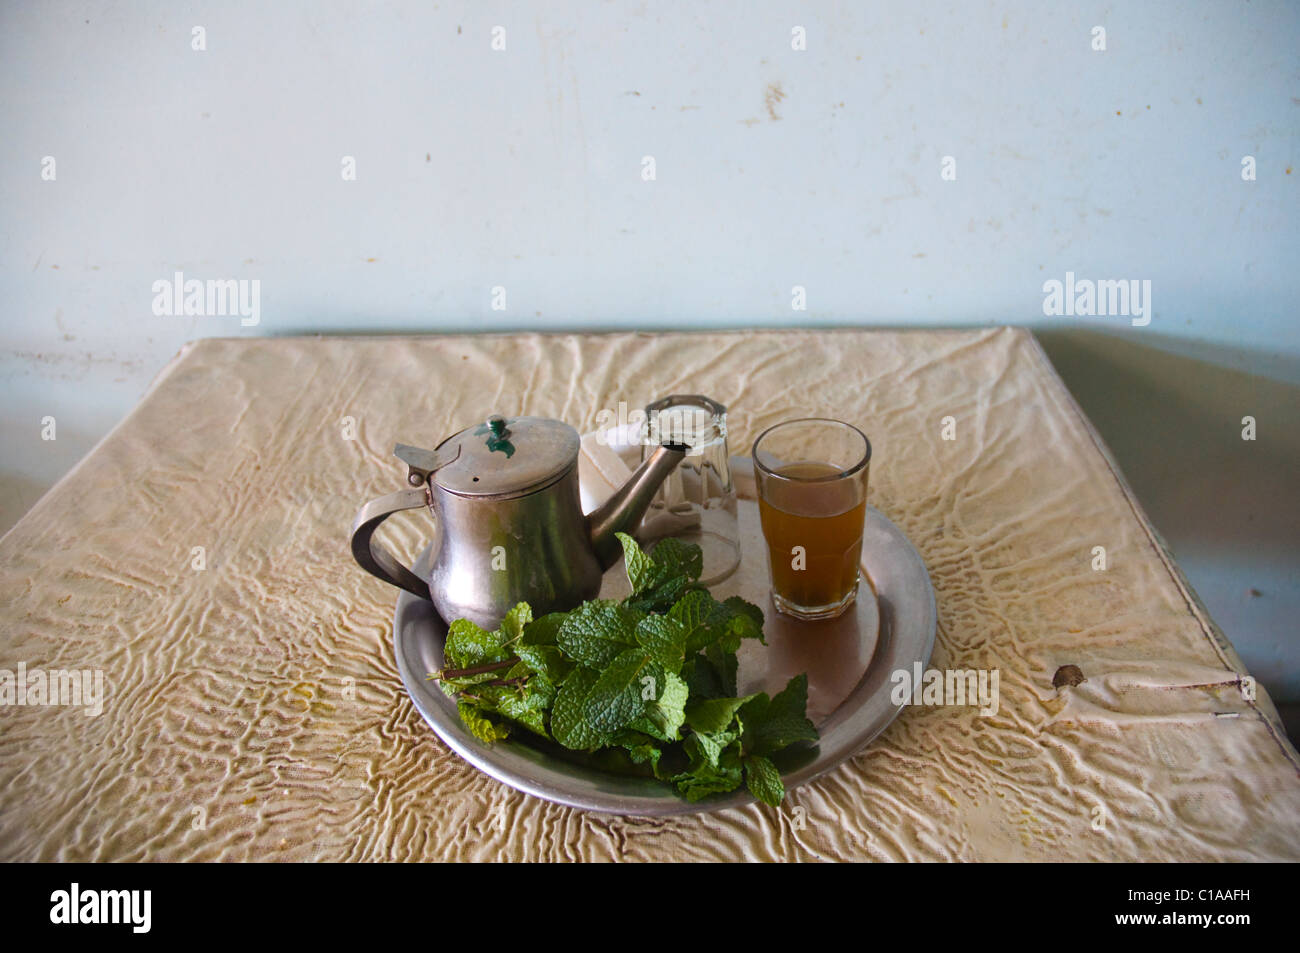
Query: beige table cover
253, 710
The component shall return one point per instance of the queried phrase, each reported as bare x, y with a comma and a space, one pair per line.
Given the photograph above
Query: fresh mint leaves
596, 632
569, 725
652, 678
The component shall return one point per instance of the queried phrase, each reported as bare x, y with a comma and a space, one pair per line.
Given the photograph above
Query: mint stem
447, 673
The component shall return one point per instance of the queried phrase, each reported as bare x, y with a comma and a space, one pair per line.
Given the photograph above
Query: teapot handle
373, 557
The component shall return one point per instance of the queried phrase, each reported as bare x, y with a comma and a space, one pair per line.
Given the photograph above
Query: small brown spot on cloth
1068, 675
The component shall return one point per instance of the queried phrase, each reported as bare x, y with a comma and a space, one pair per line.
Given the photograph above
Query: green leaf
544, 687
696, 787
662, 597
479, 726
746, 618
512, 626
708, 621
698, 613
725, 664
544, 630
671, 560
663, 577
664, 639
538, 683
645, 754
642, 574
673, 557
597, 631
524, 706
630, 738
546, 660
704, 779
469, 646
707, 749
712, 715
701, 678
782, 721
737, 620
663, 719
763, 780
568, 726
618, 696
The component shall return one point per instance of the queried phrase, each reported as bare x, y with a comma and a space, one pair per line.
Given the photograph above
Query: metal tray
848, 660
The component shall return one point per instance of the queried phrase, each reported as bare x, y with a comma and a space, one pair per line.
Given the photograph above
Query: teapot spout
622, 511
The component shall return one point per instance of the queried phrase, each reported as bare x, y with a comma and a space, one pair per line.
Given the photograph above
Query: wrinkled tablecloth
252, 709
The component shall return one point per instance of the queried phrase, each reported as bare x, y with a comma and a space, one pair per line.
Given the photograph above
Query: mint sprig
652, 678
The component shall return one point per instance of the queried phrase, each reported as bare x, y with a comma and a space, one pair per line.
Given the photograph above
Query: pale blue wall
522, 168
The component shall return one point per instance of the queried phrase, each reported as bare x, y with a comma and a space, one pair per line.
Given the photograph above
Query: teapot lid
507, 456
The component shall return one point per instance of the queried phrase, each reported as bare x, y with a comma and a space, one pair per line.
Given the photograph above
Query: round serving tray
848, 660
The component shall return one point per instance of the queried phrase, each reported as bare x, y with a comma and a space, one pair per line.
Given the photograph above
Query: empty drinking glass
697, 502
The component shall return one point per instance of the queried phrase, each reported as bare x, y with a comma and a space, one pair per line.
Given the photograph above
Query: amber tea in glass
811, 476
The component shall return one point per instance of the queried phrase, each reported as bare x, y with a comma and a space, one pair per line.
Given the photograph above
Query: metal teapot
504, 496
